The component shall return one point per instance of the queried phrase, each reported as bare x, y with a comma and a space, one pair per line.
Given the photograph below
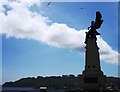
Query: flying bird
81, 8
48, 3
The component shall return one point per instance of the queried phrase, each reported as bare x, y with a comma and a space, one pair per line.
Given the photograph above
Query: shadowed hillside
64, 81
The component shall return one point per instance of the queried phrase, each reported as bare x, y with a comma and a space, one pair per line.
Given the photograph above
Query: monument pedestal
93, 78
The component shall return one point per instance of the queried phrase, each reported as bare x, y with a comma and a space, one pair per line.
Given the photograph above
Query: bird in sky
81, 8
48, 3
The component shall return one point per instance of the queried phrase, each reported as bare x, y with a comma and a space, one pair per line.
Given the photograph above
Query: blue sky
28, 53
71, 14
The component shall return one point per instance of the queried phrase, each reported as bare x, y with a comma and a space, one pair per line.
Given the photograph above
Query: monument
93, 78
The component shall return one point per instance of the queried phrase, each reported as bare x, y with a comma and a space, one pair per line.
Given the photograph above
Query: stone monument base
94, 82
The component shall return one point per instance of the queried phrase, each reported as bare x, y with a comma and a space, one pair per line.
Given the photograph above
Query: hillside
64, 81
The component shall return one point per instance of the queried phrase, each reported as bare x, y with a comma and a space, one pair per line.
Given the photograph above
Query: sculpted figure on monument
94, 25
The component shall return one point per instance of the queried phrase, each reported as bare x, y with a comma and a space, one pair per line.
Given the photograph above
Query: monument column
93, 78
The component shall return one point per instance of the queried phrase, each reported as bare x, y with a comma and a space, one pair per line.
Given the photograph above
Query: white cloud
107, 53
21, 23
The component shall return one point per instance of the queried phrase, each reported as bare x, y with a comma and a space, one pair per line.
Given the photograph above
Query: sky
41, 40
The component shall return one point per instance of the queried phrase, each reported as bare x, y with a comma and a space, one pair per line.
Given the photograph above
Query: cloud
21, 23
107, 53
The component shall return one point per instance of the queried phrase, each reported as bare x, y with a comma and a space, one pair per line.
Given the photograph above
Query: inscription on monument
90, 80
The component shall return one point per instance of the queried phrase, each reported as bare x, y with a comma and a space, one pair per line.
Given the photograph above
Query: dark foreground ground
60, 90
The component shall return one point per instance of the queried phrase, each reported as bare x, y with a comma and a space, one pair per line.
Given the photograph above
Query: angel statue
94, 25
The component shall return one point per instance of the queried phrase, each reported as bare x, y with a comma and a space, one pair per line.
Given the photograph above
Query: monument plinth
93, 78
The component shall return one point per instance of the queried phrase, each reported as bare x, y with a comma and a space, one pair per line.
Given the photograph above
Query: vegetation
64, 81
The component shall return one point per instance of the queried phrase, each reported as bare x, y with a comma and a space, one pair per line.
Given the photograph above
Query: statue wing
98, 20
